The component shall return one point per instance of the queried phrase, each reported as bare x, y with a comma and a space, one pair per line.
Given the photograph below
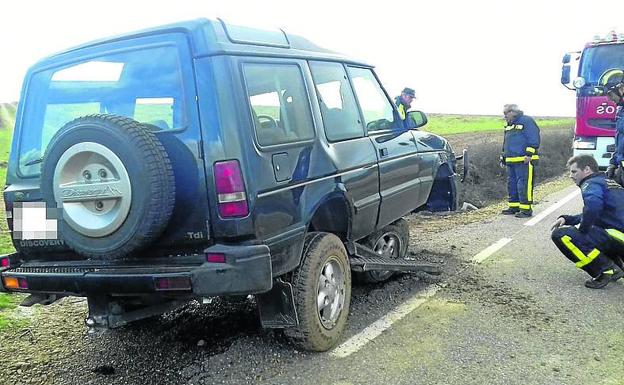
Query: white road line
491, 249
357, 341
533, 221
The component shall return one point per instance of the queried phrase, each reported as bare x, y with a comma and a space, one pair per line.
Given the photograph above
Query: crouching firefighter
596, 245
522, 139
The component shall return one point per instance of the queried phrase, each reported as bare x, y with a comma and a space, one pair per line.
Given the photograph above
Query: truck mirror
416, 119
565, 74
566, 58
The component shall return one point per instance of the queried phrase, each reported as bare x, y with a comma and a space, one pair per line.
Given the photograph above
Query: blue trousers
520, 182
589, 251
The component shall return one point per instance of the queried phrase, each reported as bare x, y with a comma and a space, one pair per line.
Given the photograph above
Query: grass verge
8, 318
461, 124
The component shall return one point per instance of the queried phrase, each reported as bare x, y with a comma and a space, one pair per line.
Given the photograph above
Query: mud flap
277, 306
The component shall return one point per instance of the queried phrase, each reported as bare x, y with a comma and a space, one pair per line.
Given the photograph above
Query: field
460, 124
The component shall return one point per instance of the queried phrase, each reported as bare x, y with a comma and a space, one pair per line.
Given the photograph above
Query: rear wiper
35, 161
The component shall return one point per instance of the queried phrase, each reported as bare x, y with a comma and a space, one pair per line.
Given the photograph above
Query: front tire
322, 291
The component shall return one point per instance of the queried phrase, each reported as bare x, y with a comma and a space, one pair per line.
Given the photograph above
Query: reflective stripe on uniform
516, 159
402, 111
530, 149
524, 207
514, 205
617, 235
584, 260
530, 184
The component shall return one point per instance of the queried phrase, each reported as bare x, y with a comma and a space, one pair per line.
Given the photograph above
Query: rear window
145, 85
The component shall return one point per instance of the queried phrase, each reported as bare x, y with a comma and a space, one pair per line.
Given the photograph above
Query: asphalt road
522, 316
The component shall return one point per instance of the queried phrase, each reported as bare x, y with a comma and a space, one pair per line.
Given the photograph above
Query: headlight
584, 143
578, 82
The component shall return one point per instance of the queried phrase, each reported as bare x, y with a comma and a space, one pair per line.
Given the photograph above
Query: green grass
7, 302
7, 115
463, 124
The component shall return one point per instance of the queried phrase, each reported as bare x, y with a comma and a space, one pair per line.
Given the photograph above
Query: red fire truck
598, 63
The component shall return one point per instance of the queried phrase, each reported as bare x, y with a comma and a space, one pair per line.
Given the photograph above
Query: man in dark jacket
404, 101
615, 93
599, 239
522, 139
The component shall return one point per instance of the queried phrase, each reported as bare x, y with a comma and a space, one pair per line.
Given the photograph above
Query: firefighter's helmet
611, 77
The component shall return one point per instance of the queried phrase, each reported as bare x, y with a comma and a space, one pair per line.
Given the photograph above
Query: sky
461, 57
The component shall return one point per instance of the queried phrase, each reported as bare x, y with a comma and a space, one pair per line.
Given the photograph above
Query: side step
366, 259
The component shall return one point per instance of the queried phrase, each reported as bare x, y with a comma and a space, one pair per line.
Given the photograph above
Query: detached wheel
390, 242
322, 290
114, 181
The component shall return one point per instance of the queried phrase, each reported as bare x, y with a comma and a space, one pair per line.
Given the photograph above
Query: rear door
350, 151
396, 150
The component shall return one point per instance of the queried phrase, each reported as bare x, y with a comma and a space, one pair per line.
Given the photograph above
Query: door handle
383, 152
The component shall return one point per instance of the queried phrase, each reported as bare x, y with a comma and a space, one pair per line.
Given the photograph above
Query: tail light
5, 262
215, 258
232, 199
15, 283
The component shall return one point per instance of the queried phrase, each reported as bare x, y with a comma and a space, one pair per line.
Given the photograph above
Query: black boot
604, 278
524, 214
510, 211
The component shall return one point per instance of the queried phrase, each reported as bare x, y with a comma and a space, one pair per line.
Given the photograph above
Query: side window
338, 107
376, 108
279, 103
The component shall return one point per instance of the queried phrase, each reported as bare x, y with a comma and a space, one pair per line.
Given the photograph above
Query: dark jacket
401, 107
603, 204
522, 138
618, 155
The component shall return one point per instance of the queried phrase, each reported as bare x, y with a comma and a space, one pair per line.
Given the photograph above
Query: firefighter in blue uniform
404, 102
522, 139
598, 242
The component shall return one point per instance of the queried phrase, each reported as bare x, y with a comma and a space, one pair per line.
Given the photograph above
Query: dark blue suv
202, 159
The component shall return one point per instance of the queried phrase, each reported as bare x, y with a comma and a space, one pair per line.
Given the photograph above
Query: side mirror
416, 119
565, 74
566, 58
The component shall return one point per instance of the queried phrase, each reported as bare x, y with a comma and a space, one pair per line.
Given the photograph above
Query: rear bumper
247, 270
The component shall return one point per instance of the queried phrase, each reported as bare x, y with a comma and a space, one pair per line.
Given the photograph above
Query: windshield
145, 85
597, 60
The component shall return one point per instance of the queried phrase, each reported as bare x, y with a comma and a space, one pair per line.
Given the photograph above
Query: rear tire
322, 291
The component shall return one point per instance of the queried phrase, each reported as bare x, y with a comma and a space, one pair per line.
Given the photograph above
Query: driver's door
396, 149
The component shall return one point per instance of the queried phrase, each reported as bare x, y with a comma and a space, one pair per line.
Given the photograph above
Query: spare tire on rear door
114, 182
